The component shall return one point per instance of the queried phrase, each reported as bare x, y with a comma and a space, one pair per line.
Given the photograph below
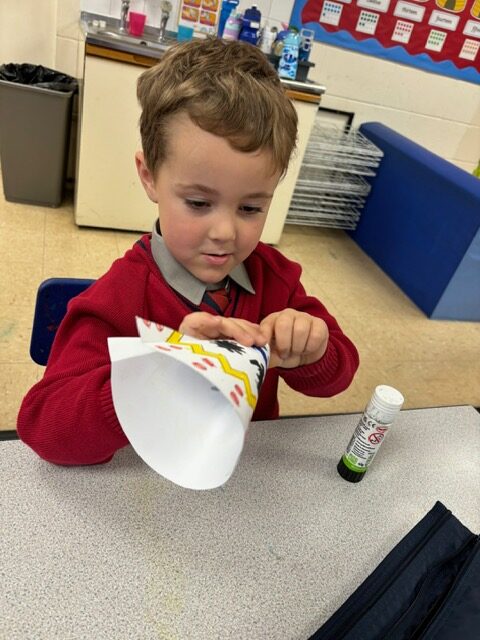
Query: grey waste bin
35, 118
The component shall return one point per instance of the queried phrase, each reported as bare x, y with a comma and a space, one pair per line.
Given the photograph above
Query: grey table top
116, 551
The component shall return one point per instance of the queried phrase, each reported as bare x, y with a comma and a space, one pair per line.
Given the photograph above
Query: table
116, 551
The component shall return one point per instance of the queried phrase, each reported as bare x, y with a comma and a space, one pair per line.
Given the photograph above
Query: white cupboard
109, 193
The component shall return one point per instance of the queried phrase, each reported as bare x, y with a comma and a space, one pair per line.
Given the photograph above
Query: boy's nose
223, 227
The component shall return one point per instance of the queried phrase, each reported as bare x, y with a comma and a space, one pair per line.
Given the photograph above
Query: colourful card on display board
201, 15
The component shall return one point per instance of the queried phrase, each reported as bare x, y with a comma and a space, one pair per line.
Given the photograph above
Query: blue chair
53, 296
421, 225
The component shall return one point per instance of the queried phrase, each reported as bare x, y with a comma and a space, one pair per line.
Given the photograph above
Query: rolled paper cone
185, 404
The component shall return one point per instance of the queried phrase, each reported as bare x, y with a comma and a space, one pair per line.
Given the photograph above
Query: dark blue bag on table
427, 588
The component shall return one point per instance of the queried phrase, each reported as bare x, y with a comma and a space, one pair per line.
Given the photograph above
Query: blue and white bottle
288, 63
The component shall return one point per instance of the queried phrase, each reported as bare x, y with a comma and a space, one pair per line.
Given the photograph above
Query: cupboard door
109, 192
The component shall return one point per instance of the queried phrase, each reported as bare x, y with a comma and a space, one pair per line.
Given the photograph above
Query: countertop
146, 52
115, 551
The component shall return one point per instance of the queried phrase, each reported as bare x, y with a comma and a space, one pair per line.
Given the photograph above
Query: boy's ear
146, 178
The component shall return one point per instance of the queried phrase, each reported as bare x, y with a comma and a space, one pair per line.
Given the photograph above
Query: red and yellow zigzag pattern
176, 338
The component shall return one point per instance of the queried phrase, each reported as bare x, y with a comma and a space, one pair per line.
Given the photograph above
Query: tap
124, 15
166, 8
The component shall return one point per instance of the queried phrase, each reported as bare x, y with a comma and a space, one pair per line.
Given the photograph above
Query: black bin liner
37, 75
427, 588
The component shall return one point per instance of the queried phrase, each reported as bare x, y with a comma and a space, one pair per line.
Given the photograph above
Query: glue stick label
365, 442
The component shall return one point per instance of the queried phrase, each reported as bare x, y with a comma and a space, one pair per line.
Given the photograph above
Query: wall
275, 11
27, 31
440, 113
43, 32
70, 45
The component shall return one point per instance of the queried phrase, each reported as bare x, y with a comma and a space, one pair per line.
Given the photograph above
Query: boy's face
212, 200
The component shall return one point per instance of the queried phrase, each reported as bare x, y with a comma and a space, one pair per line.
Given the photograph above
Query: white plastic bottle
268, 38
367, 438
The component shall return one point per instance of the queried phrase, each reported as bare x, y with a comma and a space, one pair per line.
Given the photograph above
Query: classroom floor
433, 363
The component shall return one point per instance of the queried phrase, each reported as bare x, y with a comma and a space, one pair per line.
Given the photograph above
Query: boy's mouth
217, 259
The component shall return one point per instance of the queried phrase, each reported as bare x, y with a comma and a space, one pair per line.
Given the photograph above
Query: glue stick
377, 418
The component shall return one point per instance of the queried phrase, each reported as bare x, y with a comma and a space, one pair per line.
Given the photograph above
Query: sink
145, 40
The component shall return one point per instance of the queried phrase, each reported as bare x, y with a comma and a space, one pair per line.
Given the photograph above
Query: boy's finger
244, 332
255, 331
266, 333
283, 334
234, 331
201, 325
300, 334
318, 336
266, 326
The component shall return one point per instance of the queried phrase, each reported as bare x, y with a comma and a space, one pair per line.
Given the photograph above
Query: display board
201, 15
442, 36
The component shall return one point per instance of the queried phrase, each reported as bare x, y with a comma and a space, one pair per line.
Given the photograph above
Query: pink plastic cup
136, 23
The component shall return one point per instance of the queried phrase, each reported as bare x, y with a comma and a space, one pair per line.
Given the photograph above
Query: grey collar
182, 280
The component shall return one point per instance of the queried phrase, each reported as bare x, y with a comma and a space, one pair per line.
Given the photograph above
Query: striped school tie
220, 298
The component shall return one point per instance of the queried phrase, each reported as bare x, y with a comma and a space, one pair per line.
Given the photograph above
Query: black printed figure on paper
260, 372
229, 345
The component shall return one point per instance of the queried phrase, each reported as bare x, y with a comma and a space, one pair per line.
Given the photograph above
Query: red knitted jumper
69, 418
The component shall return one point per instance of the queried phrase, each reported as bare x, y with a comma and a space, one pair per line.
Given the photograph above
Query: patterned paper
184, 403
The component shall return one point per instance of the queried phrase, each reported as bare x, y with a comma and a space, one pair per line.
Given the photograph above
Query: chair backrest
53, 296
421, 225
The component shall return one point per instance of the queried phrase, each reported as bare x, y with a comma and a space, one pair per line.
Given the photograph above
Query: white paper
185, 404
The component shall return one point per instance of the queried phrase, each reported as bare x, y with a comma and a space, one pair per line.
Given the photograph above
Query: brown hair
228, 89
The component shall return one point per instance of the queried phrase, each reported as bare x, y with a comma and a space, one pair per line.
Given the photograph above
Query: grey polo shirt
183, 281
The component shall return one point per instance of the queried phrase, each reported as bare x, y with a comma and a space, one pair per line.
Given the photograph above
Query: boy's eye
250, 209
197, 204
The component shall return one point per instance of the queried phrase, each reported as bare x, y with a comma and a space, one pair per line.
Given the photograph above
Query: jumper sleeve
334, 372
68, 417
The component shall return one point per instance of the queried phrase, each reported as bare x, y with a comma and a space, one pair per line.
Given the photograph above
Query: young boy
217, 134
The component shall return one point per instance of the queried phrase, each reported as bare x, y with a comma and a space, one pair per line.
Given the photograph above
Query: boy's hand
296, 338
205, 326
